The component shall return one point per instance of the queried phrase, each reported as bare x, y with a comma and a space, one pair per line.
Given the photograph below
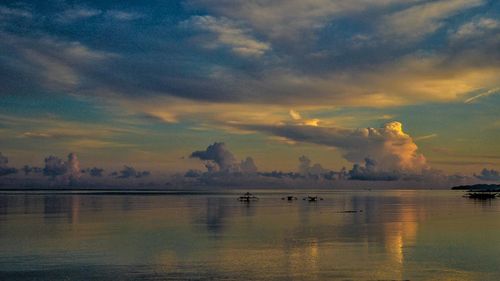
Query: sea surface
349, 235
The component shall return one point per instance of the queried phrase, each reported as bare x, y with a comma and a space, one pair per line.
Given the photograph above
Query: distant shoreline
195, 191
477, 187
105, 191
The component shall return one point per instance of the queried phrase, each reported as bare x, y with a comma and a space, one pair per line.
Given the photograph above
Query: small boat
352, 211
289, 198
247, 197
482, 194
312, 198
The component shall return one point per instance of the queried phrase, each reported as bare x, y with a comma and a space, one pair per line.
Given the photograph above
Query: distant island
486, 187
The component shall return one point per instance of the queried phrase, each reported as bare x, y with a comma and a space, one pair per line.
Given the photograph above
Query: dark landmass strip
95, 191
485, 187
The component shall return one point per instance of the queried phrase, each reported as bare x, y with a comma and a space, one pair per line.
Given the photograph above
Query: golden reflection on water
75, 209
396, 237
399, 235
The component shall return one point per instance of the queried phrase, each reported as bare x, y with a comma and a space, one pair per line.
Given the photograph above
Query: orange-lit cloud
389, 145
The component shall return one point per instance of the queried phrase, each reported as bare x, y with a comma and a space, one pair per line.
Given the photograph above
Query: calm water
399, 235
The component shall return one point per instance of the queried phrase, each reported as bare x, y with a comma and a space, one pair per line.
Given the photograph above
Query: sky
409, 85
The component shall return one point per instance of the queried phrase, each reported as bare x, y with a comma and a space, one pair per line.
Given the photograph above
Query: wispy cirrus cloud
123, 15
228, 33
423, 19
54, 63
290, 19
7, 12
77, 13
426, 137
476, 28
482, 95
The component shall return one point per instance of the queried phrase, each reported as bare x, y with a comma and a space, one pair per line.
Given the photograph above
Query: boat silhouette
312, 198
482, 194
247, 197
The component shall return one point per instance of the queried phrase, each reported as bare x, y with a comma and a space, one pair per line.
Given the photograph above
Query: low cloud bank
224, 169
219, 159
57, 172
4, 168
130, 172
67, 172
308, 172
488, 175
27, 169
305, 167
371, 172
93, 172
248, 166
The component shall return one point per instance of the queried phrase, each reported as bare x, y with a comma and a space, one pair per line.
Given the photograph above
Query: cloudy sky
149, 82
